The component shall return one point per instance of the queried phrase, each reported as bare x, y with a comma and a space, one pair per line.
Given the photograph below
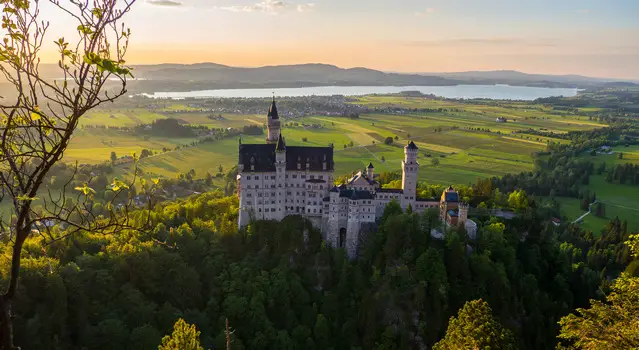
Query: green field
620, 201
449, 134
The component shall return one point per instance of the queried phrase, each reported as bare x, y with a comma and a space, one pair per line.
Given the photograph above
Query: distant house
501, 120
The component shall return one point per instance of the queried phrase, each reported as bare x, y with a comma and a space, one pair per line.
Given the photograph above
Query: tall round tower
273, 123
410, 170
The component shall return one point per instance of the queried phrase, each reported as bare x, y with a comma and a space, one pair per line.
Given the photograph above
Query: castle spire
272, 111
281, 145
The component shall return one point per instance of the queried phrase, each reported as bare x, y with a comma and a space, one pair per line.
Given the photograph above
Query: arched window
342, 237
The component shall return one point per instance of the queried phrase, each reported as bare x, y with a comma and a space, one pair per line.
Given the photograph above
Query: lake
496, 92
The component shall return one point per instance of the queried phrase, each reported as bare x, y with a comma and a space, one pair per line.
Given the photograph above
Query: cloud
268, 6
426, 12
484, 42
306, 7
169, 3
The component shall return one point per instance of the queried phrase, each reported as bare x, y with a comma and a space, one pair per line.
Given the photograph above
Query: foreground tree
613, 324
475, 328
184, 337
37, 123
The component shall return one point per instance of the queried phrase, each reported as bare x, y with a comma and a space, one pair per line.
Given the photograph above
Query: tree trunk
6, 318
6, 325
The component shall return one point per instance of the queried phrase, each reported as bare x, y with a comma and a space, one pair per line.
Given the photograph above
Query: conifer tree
475, 328
184, 337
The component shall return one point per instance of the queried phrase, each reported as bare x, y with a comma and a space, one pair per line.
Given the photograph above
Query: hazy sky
590, 37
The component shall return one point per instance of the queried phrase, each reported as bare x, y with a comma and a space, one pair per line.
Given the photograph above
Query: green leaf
86, 190
26, 198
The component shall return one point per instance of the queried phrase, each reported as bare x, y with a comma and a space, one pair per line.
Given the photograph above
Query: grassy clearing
92, 146
620, 201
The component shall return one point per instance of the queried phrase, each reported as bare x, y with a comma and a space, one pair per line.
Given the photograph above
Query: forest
279, 286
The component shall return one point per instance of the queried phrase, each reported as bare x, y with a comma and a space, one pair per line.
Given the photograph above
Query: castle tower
410, 169
370, 171
449, 201
463, 214
273, 123
280, 180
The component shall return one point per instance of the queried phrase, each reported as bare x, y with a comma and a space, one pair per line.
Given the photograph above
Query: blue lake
497, 92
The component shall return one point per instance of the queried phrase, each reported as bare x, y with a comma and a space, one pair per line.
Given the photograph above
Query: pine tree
475, 328
611, 324
184, 337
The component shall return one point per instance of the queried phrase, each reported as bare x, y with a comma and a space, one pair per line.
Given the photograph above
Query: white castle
275, 180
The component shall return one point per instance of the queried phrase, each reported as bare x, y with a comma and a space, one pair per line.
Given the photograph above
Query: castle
276, 180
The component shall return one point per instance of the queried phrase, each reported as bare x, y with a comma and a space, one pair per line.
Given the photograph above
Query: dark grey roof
390, 190
453, 213
334, 189
262, 156
272, 111
355, 195
427, 199
412, 145
370, 166
281, 145
315, 156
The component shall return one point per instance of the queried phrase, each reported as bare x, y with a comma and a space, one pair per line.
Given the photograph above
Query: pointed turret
273, 124
370, 171
412, 145
272, 112
281, 145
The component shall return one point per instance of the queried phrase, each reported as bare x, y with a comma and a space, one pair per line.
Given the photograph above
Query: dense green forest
281, 287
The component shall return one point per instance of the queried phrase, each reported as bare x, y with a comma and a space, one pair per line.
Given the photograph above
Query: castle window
252, 167
295, 176
248, 177
257, 177
312, 177
303, 176
259, 210
321, 177
273, 177
286, 176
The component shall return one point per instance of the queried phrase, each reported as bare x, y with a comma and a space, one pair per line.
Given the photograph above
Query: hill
203, 76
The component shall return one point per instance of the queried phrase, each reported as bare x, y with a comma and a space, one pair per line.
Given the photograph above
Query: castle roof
355, 195
272, 111
363, 176
370, 166
390, 190
334, 189
281, 145
412, 145
453, 213
451, 197
262, 157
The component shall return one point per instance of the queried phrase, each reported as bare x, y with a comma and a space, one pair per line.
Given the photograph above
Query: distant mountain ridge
203, 76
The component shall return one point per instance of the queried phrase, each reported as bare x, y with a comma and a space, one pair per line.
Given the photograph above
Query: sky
588, 37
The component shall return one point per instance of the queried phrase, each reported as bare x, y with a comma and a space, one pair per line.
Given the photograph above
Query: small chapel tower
410, 169
273, 124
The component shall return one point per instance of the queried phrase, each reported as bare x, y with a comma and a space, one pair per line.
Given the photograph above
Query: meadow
463, 136
620, 200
